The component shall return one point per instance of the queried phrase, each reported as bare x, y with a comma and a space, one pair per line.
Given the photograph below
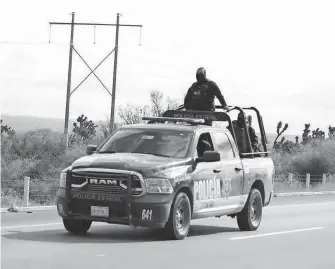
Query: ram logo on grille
103, 181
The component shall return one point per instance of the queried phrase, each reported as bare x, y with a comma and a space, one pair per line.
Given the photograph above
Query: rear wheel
178, 225
250, 217
77, 226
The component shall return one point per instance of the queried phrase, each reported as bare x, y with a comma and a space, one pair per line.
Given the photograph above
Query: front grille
104, 189
104, 182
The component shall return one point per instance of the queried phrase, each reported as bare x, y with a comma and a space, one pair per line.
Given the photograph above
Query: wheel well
189, 194
258, 184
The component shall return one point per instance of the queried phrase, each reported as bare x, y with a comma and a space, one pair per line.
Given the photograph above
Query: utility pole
112, 120
68, 92
72, 48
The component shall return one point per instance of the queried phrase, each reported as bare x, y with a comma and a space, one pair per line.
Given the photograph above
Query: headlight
158, 185
62, 181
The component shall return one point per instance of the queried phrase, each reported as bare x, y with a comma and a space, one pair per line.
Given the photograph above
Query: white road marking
275, 233
31, 225
47, 224
100, 255
298, 205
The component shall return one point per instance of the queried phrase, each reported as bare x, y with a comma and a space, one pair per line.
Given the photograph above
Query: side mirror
209, 156
91, 149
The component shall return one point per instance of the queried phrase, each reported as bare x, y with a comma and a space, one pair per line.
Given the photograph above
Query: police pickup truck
166, 172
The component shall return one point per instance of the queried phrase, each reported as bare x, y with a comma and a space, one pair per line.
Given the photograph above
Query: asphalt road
295, 232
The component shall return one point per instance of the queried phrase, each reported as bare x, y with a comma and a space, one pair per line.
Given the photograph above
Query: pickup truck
166, 172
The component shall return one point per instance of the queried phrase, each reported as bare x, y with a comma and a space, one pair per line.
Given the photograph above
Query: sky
278, 56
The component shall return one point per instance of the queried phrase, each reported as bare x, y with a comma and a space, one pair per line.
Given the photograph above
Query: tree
288, 146
85, 129
6, 129
172, 104
318, 134
282, 140
132, 114
331, 132
157, 107
105, 130
306, 137
279, 131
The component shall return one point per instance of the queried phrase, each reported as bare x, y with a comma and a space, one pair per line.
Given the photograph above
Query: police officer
241, 137
200, 96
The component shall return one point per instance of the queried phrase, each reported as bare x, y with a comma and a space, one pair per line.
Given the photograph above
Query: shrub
31, 154
316, 157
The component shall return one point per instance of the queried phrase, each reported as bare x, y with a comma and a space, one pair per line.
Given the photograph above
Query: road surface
296, 232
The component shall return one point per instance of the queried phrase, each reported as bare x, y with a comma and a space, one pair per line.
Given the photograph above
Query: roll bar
223, 115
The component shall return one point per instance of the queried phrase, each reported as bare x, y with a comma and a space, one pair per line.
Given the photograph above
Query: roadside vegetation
41, 155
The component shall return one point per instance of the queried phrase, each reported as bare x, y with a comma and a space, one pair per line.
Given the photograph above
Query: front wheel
178, 225
77, 226
250, 217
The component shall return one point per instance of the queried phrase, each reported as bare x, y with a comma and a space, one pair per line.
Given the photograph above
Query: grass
16, 201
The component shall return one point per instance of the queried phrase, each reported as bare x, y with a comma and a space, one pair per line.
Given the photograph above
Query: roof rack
164, 119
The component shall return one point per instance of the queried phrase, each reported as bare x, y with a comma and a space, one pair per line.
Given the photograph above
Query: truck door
212, 180
230, 170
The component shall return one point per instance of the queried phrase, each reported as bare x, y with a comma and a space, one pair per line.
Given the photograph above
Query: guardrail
28, 192
32, 192
308, 182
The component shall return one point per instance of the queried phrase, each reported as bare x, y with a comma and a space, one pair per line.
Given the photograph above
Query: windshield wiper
155, 154
107, 151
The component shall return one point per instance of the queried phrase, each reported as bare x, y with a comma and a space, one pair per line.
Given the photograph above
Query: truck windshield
165, 143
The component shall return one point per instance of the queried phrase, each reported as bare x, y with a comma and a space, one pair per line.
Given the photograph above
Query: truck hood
146, 164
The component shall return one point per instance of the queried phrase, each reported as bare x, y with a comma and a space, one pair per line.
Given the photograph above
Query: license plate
99, 211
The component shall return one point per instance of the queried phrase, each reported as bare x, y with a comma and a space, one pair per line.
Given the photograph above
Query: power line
96, 24
60, 44
30, 43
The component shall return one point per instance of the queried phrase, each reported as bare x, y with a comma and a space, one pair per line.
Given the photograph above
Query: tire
77, 226
250, 217
178, 226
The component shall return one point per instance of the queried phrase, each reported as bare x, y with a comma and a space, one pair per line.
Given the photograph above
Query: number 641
147, 214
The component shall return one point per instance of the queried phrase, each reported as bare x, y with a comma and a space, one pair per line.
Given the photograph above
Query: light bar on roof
187, 120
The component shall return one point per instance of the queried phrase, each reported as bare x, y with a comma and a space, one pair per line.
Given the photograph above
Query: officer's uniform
242, 138
200, 96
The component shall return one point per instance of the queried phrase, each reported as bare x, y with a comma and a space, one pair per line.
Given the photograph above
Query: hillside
23, 124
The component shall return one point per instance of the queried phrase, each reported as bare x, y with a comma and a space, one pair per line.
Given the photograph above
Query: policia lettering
211, 189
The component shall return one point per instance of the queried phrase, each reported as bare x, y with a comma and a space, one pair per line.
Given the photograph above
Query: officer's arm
187, 99
218, 94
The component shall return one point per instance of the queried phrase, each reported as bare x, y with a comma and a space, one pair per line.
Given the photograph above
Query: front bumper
141, 212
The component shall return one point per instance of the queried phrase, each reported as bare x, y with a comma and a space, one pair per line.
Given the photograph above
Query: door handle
238, 169
216, 171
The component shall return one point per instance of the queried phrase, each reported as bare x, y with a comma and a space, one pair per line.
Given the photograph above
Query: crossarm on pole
96, 24
92, 71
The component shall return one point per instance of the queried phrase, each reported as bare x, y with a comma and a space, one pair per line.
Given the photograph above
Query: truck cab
165, 173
